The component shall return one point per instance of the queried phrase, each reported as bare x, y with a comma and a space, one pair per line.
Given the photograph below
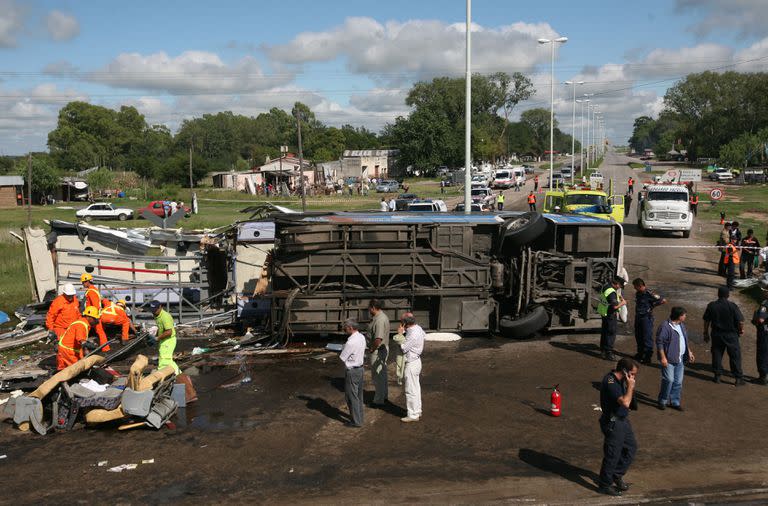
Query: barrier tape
297, 201
681, 246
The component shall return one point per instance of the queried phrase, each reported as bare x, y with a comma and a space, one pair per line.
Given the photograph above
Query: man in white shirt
392, 206
352, 355
383, 206
412, 349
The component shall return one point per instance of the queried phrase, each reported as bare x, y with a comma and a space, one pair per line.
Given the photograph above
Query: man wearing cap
63, 311
166, 335
353, 355
609, 305
75, 338
115, 315
760, 321
727, 324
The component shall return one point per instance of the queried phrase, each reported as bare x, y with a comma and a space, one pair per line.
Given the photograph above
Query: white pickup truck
665, 208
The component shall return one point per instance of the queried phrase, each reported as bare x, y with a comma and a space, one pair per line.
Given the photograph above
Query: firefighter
500, 201
63, 311
75, 338
92, 293
115, 314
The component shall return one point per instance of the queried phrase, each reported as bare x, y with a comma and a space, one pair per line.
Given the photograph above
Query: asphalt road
485, 435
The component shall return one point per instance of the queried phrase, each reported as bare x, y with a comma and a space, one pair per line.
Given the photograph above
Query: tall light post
589, 124
581, 148
595, 120
551, 42
573, 124
468, 116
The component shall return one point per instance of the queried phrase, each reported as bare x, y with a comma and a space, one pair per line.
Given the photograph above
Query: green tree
101, 179
45, 176
512, 90
537, 121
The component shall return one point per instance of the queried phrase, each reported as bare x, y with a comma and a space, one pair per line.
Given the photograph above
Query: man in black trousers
619, 446
726, 323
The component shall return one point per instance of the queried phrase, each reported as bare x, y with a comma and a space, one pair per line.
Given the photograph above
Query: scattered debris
102, 463
123, 467
442, 337
148, 461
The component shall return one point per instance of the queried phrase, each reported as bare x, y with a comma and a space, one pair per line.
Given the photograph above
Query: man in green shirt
166, 336
378, 333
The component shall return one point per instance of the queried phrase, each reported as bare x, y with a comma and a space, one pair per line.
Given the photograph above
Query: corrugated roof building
11, 188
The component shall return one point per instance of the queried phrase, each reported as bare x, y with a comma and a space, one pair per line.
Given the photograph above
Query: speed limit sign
716, 194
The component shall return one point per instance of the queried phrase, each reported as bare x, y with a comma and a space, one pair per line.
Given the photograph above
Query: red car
157, 207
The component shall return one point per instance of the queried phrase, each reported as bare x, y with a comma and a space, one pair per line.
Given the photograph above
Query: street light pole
595, 119
468, 115
551, 42
573, 125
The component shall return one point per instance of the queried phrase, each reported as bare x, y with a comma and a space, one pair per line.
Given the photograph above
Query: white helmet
69, 289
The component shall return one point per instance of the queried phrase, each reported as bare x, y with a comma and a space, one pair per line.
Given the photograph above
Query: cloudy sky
352, 61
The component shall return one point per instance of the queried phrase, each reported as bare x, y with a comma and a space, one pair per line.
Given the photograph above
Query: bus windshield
585, 200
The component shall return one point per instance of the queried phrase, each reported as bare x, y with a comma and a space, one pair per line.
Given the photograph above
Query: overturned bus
512, 273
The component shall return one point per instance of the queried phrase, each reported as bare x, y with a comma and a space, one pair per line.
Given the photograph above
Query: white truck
665, 207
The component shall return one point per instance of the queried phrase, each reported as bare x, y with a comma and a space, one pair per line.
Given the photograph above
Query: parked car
443, 170
157, 207
529, 169
103, 211
387, 186
566, 172
475, 207
557, 180
427, 206
720, 175
402, 201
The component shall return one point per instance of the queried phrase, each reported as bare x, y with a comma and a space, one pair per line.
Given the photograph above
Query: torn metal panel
41, 262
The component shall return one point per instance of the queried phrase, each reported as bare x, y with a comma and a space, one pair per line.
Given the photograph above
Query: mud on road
485, 435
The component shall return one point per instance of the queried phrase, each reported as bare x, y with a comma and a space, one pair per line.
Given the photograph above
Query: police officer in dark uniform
727, 324
619, 446
610, 302
760, 320
645, 301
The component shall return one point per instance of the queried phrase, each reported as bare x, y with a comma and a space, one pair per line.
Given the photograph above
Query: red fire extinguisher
556, 400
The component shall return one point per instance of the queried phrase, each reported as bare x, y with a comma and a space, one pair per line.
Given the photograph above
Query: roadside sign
716, 194
690, 176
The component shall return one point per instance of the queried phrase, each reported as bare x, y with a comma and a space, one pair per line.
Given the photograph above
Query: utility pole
29, 190
468, 114
301, 165
190, 165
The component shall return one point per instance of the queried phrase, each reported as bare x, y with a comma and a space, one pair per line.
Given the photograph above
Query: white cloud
62, 26
395, 50
189, 72
381, 100
27, 115
11, 21
744, 18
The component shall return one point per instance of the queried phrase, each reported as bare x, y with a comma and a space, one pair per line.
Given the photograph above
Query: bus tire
526, 325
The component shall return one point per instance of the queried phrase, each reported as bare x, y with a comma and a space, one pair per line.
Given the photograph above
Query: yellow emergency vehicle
583, 200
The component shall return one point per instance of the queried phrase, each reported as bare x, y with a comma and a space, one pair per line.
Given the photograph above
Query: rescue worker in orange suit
93, 299
531, 202
63, 311
75, 339
92, 293
731, 261
115, 314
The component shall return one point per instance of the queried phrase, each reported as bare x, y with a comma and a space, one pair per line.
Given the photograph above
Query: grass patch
635, 165
14, 288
